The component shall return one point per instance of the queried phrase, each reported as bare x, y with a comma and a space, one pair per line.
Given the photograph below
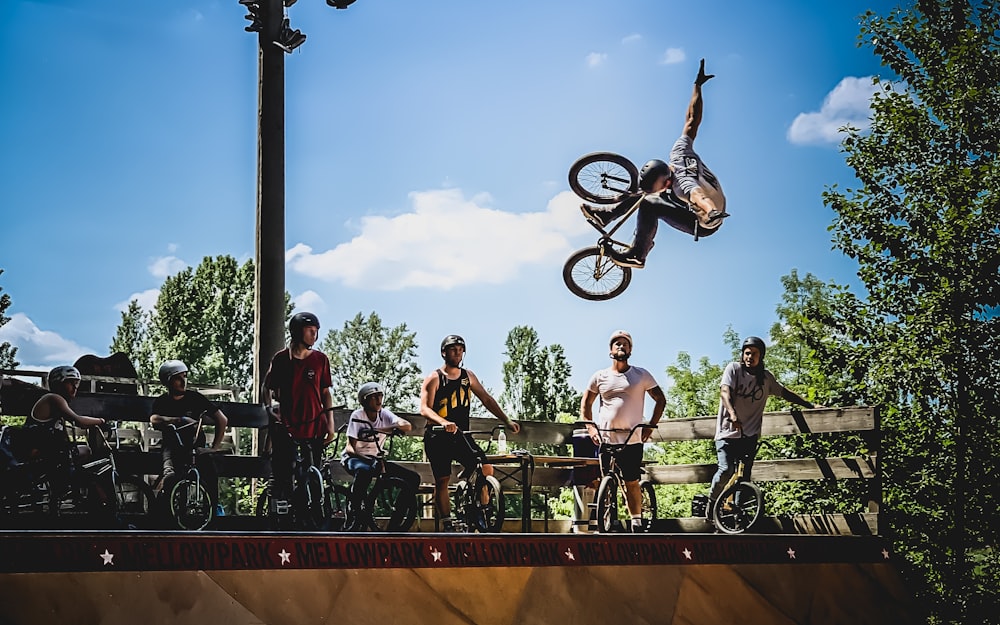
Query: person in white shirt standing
622, 389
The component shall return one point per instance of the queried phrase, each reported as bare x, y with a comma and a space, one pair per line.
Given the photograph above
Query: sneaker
714, 220
594, 217
628, 260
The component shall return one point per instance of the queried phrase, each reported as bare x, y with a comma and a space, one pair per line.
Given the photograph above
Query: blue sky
427, 148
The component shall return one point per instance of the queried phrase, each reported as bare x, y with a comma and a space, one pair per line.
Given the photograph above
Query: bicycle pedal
282, 507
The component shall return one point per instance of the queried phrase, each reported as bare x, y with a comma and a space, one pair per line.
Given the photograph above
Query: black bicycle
307, 509
593, 273
611, 490
478, 498
190, 504
390, 504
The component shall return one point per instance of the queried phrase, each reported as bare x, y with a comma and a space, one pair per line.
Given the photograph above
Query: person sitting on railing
178, 407
45, 427
366, 434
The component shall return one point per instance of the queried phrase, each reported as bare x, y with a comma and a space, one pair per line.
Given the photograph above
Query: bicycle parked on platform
612, 497
390, 504
739, 505
307, 507
190, 505
478, 499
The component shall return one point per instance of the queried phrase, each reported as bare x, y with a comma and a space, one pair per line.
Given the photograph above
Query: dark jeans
283, 450
653, 208
730, 451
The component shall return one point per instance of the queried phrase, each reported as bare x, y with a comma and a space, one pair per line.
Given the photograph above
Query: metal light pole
275, 39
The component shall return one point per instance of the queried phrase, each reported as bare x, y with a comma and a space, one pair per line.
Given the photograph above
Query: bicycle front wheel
190, 505
310, 513
738, 508
392, 505
591, 274
603, 177
648, 504
489, 514
607, 505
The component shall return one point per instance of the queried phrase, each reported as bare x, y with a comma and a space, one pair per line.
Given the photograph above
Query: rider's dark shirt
453, 399
192, 404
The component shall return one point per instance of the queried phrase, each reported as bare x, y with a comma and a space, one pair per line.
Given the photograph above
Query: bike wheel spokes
648, 504
190, 505
489, 505
738, 508
603, 177
592, 275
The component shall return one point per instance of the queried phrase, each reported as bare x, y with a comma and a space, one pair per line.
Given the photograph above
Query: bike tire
607, 505
191, 507
591, 274
738, 508
392, 505
648, 504
489, 516
337, 498
603, 177
310, 503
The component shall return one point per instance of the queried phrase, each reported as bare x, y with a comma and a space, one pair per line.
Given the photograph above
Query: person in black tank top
445, 401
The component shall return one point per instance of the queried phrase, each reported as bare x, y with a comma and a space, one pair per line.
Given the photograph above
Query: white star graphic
569, 554
791, 553
885, 554
687, 553
286, 558
108, 557
436, 554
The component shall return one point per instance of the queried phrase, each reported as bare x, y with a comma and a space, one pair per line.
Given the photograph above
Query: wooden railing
16, 398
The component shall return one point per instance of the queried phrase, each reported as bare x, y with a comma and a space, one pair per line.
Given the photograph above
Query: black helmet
452, 339
755, 341
650, 172
299, 321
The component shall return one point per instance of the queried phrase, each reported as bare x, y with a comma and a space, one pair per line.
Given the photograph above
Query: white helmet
171, 368
63, 373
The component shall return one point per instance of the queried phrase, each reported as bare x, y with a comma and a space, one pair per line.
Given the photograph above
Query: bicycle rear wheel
603, 177
738, 508
648, 504
592, 275
607, 505
190, 505
392, 505
134, 497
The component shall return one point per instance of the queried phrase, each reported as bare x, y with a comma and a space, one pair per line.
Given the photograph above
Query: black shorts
629, 461
442, 448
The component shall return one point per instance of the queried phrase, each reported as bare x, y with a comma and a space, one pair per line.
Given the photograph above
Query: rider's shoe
628, 260
715, 219
594, 217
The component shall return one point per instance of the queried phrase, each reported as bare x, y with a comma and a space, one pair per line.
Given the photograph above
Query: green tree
7, 351
367, 351
132, 338
922, 341
203, 316
536, 380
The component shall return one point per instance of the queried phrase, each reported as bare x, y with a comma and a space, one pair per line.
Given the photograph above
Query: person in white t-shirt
622, 390
366, 433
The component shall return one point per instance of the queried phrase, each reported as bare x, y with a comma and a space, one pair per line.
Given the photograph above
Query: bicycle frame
612, 472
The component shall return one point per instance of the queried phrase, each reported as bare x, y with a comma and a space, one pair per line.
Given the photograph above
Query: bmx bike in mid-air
594, 273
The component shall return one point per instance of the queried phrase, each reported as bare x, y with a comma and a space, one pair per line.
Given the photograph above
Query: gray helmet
63, 373
367, 390
755, 341
169, 369
300, 321
452, 339
650, 172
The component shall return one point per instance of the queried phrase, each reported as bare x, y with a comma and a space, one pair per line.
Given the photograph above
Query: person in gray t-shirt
684, 193
744, 390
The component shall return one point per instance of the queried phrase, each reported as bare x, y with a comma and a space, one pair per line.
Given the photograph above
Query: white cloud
165, 266
847, 105
633, 38
595, 59
673, 56
147, 299
311, 301
446, 241
37, 348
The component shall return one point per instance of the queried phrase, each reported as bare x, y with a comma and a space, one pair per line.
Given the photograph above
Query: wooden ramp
443, 579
